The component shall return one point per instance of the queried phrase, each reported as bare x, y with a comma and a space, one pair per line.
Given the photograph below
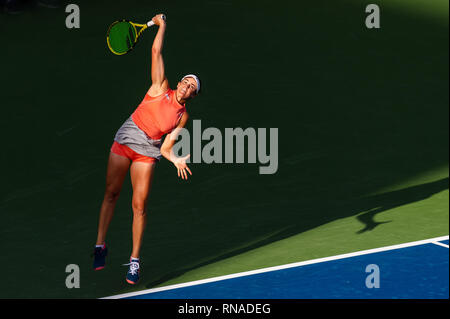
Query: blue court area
417, 272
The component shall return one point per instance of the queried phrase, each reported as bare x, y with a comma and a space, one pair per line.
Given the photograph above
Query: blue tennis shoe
133, 271
100, 254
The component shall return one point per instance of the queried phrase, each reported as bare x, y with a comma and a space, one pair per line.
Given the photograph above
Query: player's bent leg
115, 175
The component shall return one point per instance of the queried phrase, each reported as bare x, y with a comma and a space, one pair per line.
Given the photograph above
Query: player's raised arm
159, 80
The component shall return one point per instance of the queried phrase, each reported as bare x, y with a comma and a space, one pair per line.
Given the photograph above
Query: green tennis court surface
363, 138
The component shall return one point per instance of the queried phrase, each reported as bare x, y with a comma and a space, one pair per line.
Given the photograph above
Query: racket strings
131, 37
123, 35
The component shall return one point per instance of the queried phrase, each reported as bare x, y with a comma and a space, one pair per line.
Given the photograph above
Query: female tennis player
137, 146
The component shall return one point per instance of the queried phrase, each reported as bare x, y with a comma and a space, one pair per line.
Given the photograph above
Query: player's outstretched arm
160, 83
167, 152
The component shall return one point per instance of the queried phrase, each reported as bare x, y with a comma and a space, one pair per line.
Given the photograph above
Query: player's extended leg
115, 175
141, 179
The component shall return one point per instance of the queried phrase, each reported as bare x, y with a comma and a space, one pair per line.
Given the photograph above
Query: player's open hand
180, 164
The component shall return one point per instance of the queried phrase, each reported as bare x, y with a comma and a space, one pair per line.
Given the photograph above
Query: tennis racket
123, 35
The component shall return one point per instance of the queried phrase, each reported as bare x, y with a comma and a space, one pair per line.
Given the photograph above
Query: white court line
440, 244
263, 270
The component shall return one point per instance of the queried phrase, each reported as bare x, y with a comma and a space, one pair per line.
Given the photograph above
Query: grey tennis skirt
131, 135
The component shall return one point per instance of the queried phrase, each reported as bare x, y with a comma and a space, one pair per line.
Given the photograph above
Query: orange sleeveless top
158, 115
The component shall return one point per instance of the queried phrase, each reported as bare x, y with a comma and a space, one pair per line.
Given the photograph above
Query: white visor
195, 78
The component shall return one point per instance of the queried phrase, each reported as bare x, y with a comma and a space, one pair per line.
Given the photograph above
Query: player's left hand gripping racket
122, 35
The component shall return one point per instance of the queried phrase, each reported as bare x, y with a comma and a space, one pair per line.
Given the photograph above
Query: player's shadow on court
380, 203
369, 206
